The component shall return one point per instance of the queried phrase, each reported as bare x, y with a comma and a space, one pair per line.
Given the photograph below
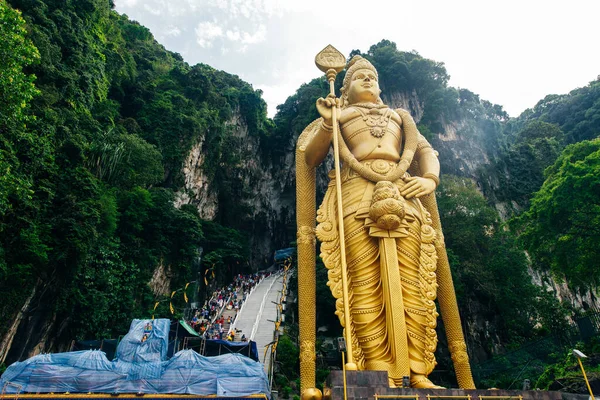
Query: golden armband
433, 177
325, 127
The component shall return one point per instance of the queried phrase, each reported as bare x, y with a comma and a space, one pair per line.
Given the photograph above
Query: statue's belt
376, 165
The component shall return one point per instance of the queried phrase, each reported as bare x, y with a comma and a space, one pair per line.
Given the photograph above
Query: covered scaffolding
140, 366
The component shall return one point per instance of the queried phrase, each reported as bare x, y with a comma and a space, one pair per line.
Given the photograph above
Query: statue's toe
422, 382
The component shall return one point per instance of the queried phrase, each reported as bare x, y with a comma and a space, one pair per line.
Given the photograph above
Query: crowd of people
210, 322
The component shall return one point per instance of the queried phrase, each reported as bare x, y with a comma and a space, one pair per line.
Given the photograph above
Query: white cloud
172, 31
259, 36
220, 4
128, 3
206, 32
246, 38
153, 11
277, 94
234, 35
176, 10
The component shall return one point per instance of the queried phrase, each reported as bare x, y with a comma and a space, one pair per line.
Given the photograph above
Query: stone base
373, 385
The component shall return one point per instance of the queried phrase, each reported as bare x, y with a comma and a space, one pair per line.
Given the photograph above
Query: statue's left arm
429, 166
428, 161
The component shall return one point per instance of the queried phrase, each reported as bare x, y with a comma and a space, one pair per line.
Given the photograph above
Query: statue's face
364, 87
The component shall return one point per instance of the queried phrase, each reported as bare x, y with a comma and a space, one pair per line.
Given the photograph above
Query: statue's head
361, 83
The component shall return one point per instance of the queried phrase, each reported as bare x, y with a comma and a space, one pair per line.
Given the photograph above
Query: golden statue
386, 281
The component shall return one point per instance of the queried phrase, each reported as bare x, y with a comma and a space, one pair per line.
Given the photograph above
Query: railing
15, 396
396, 396
278, 322
435, 396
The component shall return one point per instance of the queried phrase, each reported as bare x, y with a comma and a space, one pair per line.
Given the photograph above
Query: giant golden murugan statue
394, 257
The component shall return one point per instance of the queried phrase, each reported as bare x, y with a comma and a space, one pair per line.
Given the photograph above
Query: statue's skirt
391, 280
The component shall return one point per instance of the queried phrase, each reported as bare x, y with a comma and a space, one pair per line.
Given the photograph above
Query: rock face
35, 328
408, 101
582, 301
461, 154
197, 188
266, 188
459, 141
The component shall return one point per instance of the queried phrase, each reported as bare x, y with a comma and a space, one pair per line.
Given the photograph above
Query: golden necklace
375, 116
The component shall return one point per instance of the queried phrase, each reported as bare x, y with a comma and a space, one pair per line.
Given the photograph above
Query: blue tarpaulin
140, 366
283, 254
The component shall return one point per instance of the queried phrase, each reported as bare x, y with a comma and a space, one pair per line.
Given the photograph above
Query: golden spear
331, 61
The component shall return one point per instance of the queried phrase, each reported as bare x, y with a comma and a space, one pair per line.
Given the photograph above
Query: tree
226, 251
488, 265
537, 147
561, 230
16, 52
16, 90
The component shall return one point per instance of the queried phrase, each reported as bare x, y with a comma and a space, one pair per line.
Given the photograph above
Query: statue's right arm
318, 146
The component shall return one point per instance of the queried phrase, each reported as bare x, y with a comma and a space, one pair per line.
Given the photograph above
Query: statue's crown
356, 63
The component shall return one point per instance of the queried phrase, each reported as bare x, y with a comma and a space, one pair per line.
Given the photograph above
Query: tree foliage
576, 113
17, 51
520, 168
488, 265
535, 139
91, 156
561, 230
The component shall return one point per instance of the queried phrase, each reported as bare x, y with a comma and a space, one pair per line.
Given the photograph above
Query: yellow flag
171, 308
185, 293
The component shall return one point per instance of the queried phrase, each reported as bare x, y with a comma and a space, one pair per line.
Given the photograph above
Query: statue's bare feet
391, 383
421, 382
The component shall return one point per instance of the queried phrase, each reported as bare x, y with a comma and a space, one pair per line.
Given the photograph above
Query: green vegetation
490, 268
577, 113
17, 51
91, 157
561, 230
566, 374
97, 119
533, 142
520, 169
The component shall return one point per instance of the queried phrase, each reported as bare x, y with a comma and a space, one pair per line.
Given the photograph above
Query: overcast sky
512, 53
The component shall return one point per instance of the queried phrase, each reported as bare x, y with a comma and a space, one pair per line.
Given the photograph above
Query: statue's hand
417, 187
324, 107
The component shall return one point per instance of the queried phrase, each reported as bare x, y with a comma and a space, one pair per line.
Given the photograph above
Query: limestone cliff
458, 140
263, 186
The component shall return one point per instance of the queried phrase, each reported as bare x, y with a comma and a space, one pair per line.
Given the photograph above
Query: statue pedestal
373, 385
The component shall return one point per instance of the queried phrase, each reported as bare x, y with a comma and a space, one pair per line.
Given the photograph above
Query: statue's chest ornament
376, 119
